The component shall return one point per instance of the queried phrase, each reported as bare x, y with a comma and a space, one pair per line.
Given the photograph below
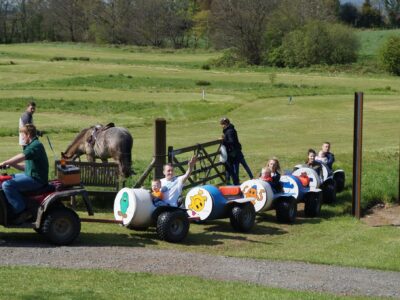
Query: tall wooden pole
160, 146
357, 153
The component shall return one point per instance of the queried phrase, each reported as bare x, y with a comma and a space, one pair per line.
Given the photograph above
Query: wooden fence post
160, 145
357, 153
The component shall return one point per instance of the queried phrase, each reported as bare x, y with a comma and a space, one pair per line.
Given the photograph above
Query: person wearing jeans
234, 151
33, 161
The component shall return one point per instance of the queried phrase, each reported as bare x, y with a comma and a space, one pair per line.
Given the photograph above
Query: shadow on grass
131, 239
258, 229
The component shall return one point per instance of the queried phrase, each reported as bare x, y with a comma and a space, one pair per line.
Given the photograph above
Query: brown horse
103, 142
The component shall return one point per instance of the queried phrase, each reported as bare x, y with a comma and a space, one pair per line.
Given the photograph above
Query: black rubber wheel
312, 205
340, 179
329, 193
243, 217
286, 210
61, 226
172, 226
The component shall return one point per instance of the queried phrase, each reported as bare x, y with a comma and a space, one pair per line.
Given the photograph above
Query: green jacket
36, 162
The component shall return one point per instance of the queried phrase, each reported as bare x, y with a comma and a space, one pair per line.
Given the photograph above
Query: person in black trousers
234, 151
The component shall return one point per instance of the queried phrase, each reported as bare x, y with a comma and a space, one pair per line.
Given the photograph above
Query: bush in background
390, 55
317, 43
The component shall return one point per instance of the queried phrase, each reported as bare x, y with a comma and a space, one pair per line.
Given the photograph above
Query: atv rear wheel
61, 226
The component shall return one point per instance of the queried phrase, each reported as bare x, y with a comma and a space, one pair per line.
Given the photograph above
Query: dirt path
289, 275
382, 215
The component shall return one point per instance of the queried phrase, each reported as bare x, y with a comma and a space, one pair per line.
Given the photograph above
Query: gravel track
281, 274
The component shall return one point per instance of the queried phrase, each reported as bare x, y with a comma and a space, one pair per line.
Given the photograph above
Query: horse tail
126, 158
126, 165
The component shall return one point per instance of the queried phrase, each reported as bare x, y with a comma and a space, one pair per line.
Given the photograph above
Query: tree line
271, 32
372, 14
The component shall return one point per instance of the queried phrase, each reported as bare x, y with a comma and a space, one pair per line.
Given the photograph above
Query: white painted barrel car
285, 202
135, 209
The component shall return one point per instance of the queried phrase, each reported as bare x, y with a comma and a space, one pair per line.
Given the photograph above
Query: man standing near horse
27, 118
33, 161
172, 186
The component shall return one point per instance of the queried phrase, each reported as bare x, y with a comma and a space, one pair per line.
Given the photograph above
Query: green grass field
97, 284
132, 86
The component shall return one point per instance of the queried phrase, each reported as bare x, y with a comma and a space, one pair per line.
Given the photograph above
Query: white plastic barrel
133, 207
315, 180
292, 185
261, 191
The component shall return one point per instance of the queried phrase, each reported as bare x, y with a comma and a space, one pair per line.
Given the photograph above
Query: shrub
345, 45
203, 82
58, 58
389, 55
317, 43
230, 58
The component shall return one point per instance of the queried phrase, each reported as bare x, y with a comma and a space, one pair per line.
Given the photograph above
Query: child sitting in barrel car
156, 193
274, 166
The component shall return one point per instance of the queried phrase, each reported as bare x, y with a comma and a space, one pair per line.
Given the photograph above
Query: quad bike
50, 217
134, 208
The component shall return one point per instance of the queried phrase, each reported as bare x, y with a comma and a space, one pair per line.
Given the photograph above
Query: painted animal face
252, 192
124, 204
197, 202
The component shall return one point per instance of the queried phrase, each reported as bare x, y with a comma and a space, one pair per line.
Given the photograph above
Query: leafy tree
390, 55
348, 13
113, 20
179, 21
393, 9
7, 21
370, 16
69, 19
241, 24
293, 14
201, 27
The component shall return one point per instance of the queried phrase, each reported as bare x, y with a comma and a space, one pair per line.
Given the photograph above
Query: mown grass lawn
45, 283
133, 86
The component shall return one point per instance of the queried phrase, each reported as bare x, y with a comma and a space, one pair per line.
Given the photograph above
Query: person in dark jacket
330, 158
234, 151
274, 166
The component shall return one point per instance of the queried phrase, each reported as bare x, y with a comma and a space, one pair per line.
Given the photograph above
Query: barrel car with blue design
331, 182
300, 186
